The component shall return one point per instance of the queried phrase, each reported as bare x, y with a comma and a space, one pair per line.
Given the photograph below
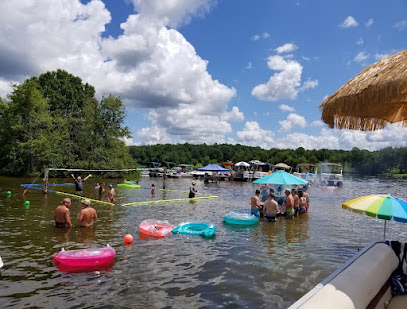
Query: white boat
241, 171
363, 282
331, 174
144, 172
259, 169
181, 171
307, 171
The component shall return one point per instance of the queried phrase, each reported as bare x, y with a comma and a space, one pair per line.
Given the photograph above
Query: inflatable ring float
155, 228
239, 218
85, 257
206, 229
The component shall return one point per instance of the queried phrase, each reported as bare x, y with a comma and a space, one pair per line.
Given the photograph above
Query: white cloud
349, 22
392, 135
286, 108
253, 135
129, 141
360, 42
173, 13
249, 65
292, 121
381, 56
286, 48
5, 88
154, 135
317, 123
294, 140
401, 25
233, 115
257, 37
283, 84
369, 22
150, 65
360, 57
309, 84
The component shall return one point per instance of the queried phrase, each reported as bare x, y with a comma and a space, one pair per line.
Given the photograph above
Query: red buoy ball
128, 239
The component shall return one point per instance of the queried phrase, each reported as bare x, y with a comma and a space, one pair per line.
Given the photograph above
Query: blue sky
204, 71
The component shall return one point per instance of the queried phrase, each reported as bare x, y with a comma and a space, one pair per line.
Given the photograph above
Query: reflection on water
269, 264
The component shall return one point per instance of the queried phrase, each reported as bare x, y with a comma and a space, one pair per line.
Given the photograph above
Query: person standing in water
79, 182
61, 215
152, 189
303, 202
296, 201
255, 204
264, 192
305, 193
192, 190
271, 208
289, 204
111, 194
87, 214
102, 188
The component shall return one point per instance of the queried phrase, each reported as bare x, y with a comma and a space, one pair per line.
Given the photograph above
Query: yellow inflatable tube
128, 186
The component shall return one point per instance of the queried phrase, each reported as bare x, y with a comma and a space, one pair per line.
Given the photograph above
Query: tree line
364, 162
55, 120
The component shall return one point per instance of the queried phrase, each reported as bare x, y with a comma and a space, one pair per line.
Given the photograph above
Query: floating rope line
32, 184
68, 194
82, 197
173, 200
186, 192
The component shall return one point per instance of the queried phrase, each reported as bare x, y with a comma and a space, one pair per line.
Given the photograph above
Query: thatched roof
372, 99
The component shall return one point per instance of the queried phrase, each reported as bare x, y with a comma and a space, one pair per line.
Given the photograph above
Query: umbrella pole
384, 236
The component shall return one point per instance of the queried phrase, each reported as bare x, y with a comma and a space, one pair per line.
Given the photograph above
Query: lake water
269, 265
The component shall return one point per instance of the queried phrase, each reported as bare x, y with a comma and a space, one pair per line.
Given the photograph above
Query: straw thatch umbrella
372, 99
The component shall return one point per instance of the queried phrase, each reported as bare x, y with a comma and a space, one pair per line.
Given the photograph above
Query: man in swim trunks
79, 182
87, 215
289, 204
296, 201
271, 208
61, 214
255, 204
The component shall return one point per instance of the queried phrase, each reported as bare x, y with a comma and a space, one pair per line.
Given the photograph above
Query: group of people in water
87, 214
264, 202
85, 218
101, 187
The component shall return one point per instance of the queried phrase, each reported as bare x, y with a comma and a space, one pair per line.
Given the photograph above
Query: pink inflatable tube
155, 228
85, 257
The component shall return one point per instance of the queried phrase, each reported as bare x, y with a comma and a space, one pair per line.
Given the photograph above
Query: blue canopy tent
213, 168
281, 178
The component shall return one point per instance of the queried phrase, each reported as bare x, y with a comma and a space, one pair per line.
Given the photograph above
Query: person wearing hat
192, 190
87, 215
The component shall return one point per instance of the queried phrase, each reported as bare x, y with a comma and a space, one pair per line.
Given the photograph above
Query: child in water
152, 189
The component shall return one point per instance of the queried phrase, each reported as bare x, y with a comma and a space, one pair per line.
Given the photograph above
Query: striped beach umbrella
380, 206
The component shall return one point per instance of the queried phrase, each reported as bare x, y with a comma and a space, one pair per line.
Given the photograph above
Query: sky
210, 71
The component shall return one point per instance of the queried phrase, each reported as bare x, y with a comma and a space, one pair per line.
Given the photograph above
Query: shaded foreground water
269, 265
